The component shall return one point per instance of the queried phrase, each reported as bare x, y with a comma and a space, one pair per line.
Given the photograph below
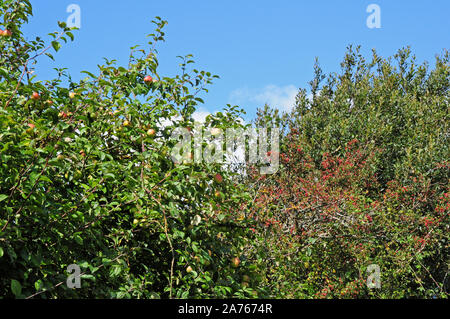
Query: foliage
364, 180
87, 179
83, 182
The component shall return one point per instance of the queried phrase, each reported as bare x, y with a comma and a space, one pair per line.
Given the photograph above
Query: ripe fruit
148, 79
135, 221
49, 102
6, 33
218, 178
83, 153
72, 95
235, 261
30, 130
60, 157
126, 123
151, 132
35, 96
188, 269
217, 194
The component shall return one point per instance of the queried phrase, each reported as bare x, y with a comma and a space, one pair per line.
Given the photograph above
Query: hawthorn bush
364, 179
86, 178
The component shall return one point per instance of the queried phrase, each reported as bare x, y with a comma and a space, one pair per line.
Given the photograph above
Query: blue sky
262, 50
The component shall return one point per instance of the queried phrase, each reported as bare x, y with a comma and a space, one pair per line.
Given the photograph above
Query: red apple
151, 132
148, 79
218, 178
235, 262
6, 33
35, 96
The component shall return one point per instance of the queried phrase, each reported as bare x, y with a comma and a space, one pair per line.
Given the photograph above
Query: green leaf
78, 239
50, 56
70, 35
62, 24
38, 285
56, 45
90, 277
16, 287
1, 251
3, 197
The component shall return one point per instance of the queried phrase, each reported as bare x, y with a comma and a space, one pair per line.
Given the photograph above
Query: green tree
86, 178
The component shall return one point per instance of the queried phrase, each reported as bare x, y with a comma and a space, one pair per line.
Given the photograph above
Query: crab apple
188, 269
235, 261
60, 157
151, 132
31, 125
148, 79
6, 33
35, 96
218, 178
72, 95
217, 194
126, 123
83, 153
49, 102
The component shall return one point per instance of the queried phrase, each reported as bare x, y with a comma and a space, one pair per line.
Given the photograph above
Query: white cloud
200, 115
282, 98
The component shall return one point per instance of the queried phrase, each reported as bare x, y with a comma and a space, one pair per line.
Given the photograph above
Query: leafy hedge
86, 178
364, 180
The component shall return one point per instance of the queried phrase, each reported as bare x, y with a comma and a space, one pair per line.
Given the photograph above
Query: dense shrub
86, 178
84, 181
364, 180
